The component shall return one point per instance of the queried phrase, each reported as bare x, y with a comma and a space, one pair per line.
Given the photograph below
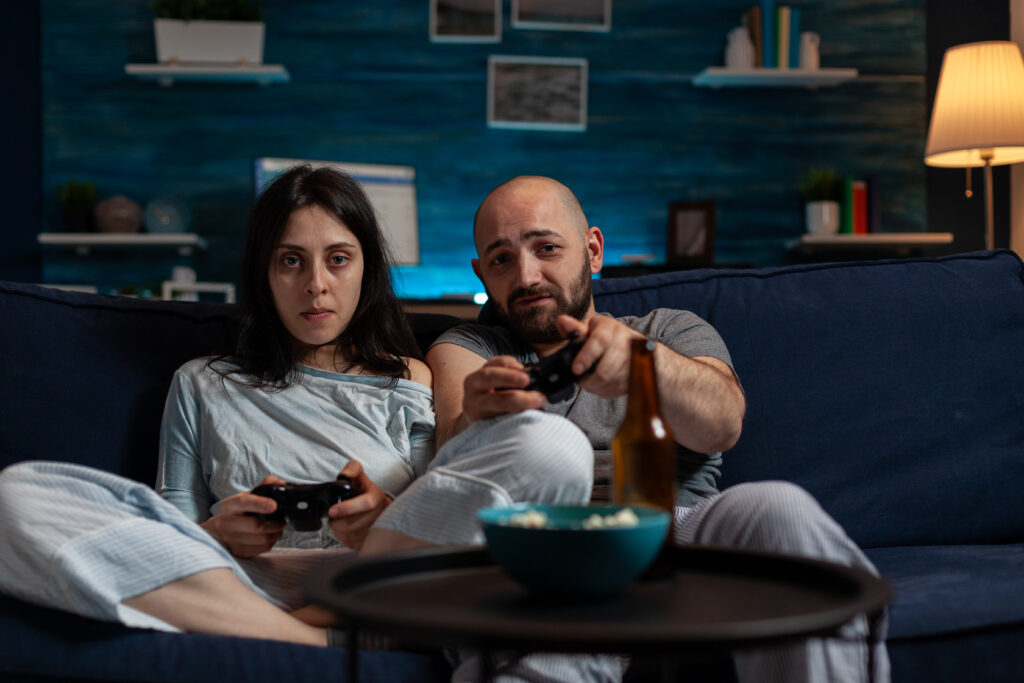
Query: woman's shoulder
419, 372
205, 370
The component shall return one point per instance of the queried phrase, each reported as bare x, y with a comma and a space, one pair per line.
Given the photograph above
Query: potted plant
76, 198
209, 31
822, 190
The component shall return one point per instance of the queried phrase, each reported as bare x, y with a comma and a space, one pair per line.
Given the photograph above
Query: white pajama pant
778, 516
84, 540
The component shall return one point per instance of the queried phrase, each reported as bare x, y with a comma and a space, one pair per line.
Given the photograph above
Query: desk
714, 600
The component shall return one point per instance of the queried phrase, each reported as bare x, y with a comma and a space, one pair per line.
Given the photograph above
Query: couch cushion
890, 390
42, 643
957, 612
946, 589
85, 377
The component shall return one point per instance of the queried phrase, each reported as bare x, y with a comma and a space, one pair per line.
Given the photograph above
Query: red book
860, 207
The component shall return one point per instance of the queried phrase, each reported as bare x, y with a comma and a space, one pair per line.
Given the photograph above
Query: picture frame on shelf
690, 234
465, 21
538, 93
562, 15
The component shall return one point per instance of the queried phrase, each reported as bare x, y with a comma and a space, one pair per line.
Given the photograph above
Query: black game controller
553, 376
305, 504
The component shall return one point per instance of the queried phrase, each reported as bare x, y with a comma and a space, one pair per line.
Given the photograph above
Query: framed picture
541, 93
562, 15
465, 21
691, 234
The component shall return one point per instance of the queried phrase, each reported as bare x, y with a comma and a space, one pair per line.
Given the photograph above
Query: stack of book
775, 32
861, 206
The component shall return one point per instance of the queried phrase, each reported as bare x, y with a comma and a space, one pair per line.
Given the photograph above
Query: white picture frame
465, 21
562, 15
537, 93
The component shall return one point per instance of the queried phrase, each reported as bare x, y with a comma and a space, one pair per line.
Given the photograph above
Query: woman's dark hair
378, 334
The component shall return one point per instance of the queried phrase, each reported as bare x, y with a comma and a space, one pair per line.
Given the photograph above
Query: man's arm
700, 397
468, 388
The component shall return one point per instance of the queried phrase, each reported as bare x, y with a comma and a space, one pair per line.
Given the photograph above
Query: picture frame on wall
465, 21
562, 15
537, 93
690, 234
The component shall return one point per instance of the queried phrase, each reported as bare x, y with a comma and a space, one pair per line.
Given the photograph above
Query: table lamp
978, 117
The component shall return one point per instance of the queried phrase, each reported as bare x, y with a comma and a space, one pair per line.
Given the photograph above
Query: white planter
822, 217
227, 42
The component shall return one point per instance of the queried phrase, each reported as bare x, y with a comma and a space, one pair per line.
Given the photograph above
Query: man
536, 255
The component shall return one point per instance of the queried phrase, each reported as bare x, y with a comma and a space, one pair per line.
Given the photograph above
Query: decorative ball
166, 215
118, 214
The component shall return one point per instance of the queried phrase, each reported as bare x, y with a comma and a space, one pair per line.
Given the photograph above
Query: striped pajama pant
84, 540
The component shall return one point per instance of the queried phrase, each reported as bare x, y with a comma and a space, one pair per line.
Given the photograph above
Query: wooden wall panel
368, 86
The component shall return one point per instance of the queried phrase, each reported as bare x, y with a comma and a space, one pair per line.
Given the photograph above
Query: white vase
224, 42
739, 50
809, 55
822, 217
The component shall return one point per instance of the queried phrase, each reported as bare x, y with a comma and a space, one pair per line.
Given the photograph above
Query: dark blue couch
890, 390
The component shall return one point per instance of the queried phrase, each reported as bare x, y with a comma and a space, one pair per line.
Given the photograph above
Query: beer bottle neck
643, 388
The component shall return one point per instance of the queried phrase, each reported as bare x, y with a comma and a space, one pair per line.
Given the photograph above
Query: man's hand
350, 520
608, 345
496, 389
240, 531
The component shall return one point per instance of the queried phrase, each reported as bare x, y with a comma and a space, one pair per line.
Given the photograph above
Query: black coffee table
704, 600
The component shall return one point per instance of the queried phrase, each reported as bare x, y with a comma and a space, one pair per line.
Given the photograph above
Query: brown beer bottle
643, 450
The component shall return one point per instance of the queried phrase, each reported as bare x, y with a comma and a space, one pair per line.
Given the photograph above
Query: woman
325, 378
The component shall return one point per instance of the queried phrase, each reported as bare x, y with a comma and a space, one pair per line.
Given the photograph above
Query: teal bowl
566, 560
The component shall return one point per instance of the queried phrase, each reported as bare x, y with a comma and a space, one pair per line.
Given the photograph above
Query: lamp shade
979, 107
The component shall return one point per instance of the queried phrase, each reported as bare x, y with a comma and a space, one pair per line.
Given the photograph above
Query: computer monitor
391, 190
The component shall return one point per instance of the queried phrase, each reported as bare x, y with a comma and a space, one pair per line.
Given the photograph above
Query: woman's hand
244, 534
350, 520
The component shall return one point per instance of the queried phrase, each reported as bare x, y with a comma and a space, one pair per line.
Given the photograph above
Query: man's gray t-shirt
599, 418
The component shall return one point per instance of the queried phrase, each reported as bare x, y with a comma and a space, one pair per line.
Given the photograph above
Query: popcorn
535, 519
622, 518
531, 519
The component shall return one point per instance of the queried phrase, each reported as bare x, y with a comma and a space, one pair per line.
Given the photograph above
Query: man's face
534, 263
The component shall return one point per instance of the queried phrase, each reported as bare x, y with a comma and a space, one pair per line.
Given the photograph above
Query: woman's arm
181, 481
180, 477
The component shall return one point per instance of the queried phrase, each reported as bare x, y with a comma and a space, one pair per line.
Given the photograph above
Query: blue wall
368, 86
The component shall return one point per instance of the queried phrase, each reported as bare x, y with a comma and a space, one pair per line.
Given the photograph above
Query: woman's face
315, 276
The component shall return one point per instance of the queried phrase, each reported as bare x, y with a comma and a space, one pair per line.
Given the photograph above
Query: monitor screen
391, 189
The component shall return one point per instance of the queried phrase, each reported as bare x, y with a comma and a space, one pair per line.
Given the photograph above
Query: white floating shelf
82, 242
721, 77
167, 74
878, 239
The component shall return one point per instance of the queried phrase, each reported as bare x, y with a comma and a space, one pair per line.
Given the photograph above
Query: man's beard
536, 325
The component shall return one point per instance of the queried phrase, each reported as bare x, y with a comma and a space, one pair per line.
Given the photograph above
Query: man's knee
555, 458
775, 516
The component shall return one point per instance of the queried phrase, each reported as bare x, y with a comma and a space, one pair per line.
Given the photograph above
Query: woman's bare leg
216, 602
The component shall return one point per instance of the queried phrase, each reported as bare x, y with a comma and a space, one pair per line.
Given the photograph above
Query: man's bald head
531, 189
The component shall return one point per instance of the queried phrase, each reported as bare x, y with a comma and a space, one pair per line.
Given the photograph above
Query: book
859, 190
874, 205
782, 37
768, 36
752, 20
794, 37
846, 211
